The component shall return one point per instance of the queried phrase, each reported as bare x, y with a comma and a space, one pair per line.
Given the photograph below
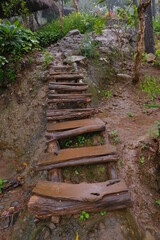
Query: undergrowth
151, 86
84, 22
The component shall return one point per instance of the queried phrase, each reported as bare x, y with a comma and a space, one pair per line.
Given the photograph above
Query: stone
73, 33
75, 58
55, 219
124, 76
150, 57
52, 226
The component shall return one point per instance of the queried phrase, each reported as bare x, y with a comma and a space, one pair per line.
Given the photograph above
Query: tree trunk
75, 4
141, 29
149, 35
159, 6
153, 8
60, 14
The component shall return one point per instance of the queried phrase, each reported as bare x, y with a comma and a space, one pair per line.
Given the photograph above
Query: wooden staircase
55, 197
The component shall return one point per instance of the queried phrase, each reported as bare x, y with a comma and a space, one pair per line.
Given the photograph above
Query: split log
46, 207
67, 88
63, 198
53, 72
60, 67
68, 77
60, 112
69, 96
67, 125
75, 115
74, 132
67, 83
80, 162
68, 100
77, 153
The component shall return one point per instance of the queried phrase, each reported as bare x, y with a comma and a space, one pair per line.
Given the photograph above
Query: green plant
115, 139
76, 173
151, 86
15, 7
102, 213
114, 133
50, 33
156, 25
106, 93
101, 169
142, 160
158, 202
48, 58
143, 146
130, 114
3, 61
154, 133
81, 139
120, 161
68, 143
88, 47
84, 216
1, 184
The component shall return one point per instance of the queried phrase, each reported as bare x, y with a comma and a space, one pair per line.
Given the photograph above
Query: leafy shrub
14, 41
151, 86
156, 25
81, 21
88, 47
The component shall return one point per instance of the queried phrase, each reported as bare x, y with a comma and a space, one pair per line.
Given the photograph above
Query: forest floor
131, 127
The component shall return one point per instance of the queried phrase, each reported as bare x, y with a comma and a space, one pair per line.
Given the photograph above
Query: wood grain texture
84, 192
77, 153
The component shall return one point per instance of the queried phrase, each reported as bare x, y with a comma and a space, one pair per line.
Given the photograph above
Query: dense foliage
83, 22
14, 41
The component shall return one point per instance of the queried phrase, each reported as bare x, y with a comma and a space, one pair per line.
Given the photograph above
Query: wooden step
73, 124
75, 132
78, 156
67, 98
66, 114
53, 72
68, 77
67, 88
64, 198
60, 68
66, 84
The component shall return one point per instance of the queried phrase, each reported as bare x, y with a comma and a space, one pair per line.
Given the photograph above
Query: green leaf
158, 202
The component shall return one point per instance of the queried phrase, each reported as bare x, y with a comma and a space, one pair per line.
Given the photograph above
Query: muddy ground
22, 141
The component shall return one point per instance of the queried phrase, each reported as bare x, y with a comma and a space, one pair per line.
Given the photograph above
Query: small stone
150, 57
52, 226
101, 226
124, 76
73, 33
55, 219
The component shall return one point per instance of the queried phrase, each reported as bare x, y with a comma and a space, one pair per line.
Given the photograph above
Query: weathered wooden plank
67, 84
68, 77
77, 153
67, 115
53, 72
69, 96
74, 132
60, 112
68, 100
72, 124
84, 192
79, 162
67, 88
46, 207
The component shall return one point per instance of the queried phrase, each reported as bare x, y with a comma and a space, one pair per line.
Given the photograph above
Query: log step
68, 77
64, 198
67, 83
53, 72
66, 114
78, 156
56, 98
67, 88
97, 127
60, 68
73, 124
